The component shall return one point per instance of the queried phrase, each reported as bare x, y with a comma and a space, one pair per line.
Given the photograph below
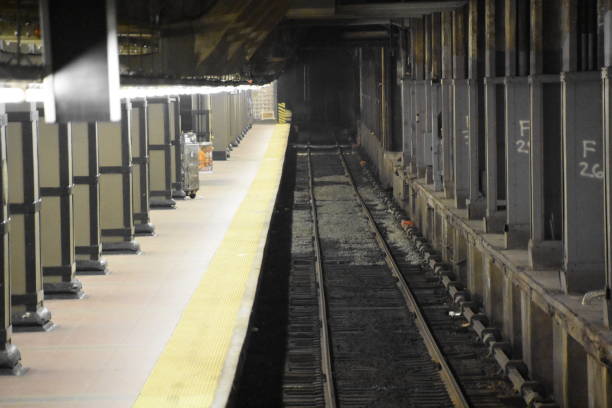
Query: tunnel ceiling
208, 41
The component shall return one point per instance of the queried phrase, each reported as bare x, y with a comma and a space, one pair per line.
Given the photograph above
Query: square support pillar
446, 106
518, 130
545, 245
86, 200
10, 356
220, 125
140, 168
437, 153
475, 203
583, 230
116, 210
176, 137
247, 112
607, 144
204, 118
406, 112
495, 217
235, 119
195, 115
160, 153
189, 106
56, 213
427, 145
29, 311
461, 141
419, 105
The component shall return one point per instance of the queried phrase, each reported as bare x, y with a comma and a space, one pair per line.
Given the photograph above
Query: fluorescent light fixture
35, 95
12, 95
11, 92
159, 91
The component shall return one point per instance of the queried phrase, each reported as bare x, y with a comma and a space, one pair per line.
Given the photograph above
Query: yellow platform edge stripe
198, 364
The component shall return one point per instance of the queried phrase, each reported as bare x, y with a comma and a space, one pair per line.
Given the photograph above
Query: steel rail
326, 359
454, 389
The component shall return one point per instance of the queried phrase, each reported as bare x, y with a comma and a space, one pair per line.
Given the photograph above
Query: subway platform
164, 328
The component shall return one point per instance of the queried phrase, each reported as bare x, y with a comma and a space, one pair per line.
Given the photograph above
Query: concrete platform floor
105, 345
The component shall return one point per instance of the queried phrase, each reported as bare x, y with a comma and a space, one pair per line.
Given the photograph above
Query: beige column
28, 310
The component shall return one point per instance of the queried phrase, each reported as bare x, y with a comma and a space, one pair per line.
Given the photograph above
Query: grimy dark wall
322, 89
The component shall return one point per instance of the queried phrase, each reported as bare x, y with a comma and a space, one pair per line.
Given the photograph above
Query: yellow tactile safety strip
187, 373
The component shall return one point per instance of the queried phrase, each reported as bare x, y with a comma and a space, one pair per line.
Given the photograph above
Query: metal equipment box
191, 167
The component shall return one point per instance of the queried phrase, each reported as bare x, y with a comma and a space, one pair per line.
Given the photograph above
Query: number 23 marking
522, 146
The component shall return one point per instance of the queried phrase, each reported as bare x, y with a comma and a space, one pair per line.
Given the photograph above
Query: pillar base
88, 267
147, 230
516, 238
220, 155
40, 320
545, 254
180, 194
64, 290
460, 200
121, 248
494, 224
16, 371
449, 191
10, 358
607, 306
579, 280
429, 176
157, 203
412, 169
476, 208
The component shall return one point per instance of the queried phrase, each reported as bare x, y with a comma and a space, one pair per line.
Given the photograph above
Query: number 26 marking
590, 171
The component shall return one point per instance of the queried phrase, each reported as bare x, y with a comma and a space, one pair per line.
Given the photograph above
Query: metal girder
379, 10
300, 9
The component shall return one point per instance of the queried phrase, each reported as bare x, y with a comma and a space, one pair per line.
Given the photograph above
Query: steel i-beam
140, 168
56, 213
116, 209
178, 173
86, 200
161, 126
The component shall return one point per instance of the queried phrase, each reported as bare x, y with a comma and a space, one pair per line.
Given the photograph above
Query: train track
370, 328
452, 385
